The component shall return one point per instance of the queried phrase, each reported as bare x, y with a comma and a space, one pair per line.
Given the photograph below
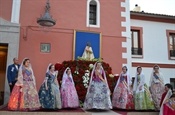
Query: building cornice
152, 17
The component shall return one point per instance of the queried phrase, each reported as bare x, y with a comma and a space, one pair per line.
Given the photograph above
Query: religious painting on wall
45, 47
87, 45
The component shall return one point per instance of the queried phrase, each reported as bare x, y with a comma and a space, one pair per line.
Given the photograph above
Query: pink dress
69, 94
122, 95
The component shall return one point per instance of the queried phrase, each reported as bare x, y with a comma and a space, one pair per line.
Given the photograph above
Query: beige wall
9, 34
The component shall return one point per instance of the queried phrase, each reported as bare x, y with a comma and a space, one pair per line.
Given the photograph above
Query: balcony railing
172, 53
136, 51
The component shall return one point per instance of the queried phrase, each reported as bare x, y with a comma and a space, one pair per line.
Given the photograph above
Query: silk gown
169, 107
69, 94
25, 97
98, 94
142, 95
156, 89
50, 99
122, 95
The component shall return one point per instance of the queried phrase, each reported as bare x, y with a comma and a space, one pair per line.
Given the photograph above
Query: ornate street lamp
46, 19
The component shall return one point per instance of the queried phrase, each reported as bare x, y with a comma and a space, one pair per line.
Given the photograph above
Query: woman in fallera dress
68, 92
167, 93
24, 95
49, 93
168, 106
165, 96
156, 86
122, 95
98, 93
142, 95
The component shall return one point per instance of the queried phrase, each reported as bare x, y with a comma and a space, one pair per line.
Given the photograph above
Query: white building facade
153, 42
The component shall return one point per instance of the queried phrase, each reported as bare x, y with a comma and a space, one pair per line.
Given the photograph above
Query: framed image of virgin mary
45, 47
87, 45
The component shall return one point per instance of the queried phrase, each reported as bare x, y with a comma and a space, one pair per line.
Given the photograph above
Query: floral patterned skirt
24, 98
50, 99
69, 96
98, 96
122, 98
143, 99
157, 90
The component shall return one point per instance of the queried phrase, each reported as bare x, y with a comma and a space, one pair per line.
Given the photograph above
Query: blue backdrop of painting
81, 39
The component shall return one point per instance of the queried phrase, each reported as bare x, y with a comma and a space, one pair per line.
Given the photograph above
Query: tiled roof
152, 15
